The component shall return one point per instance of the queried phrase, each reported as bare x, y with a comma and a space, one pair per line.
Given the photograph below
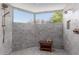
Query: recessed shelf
76, 30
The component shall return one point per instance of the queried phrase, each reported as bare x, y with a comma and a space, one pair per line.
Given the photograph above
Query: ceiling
39, 7
44, 7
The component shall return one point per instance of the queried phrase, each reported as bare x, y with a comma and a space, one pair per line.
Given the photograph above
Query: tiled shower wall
29, 35
71, 39
6, 47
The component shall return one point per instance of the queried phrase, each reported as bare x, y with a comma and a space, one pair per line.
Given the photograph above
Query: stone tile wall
6, 47
29, 35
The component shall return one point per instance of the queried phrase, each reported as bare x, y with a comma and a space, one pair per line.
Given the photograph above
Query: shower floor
36, 51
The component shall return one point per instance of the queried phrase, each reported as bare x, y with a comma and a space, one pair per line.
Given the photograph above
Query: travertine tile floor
36, 51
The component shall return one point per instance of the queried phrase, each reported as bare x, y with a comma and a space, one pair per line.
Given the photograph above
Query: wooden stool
46, 45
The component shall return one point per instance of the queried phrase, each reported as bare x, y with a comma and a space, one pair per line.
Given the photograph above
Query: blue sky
44, 16
24, 17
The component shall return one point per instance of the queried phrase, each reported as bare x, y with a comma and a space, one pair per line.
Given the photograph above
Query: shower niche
76, 30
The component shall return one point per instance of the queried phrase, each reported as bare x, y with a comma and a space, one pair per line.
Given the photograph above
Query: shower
4, 7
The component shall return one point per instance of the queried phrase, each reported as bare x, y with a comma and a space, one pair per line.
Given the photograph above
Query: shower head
4, 5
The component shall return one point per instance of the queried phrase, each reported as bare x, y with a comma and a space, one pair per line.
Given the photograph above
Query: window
21, 16
44, 17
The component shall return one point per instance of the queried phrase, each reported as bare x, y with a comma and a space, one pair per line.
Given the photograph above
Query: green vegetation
57, 17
